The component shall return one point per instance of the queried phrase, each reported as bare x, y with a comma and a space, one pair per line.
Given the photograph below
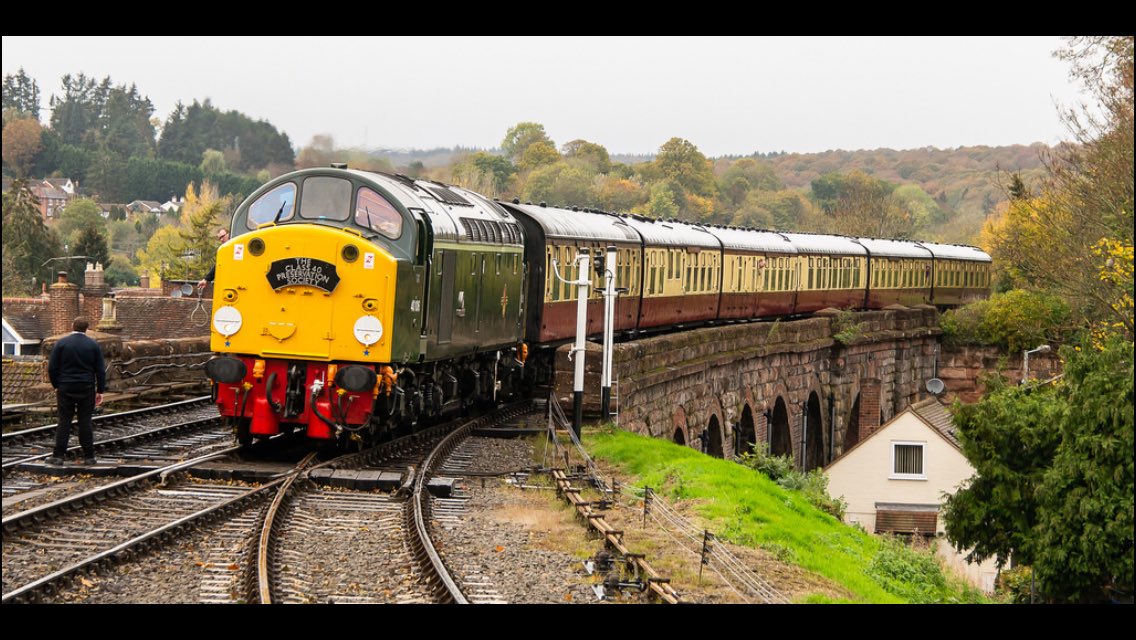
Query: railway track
117, 431
333, 544
46, 548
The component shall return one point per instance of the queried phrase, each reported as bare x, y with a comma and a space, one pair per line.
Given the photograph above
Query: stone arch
678, 420
852, 425
766, 396
713, 438
813, 447
746, 431
780, 434
718, 443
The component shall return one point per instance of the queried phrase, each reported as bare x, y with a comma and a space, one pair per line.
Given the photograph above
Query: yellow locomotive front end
304, 292
304, 302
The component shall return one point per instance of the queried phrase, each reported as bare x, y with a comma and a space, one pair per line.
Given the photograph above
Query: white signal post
609, 330
582, 262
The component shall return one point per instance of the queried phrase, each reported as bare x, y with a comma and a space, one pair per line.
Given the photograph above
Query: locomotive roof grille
445, 195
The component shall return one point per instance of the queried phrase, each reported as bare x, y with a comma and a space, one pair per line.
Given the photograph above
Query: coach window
325, 199
281, 202
372, 211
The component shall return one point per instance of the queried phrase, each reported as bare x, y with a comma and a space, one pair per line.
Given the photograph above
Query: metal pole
706, 538
804, 435
581, 334
609, 329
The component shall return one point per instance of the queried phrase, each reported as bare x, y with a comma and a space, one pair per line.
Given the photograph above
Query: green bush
1014, 584
1016, 320
813, 485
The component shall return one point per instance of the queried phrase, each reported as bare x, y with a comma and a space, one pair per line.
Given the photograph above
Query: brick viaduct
808, 388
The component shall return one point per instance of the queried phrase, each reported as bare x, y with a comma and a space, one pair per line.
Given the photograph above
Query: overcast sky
728, 95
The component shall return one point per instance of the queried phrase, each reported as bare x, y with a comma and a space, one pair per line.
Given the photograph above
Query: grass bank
747, 508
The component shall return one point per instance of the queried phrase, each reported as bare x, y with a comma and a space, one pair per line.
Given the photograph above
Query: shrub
812, 485
1015, 321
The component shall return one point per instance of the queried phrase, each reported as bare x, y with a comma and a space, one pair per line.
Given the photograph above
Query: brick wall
151, 317
131, 363
962, 369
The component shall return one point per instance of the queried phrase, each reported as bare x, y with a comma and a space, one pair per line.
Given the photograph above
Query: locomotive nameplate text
308, 272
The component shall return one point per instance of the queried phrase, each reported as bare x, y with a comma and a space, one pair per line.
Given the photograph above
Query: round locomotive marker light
350, 253
368, 330
227, 321
256, 246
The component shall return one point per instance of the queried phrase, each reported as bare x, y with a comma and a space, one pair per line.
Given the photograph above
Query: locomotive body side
331, 316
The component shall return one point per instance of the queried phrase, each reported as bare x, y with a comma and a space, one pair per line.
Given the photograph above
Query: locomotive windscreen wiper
276, 218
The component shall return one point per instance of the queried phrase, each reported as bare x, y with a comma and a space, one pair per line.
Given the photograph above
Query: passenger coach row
676, 273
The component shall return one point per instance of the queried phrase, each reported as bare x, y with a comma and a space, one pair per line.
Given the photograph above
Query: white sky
728, 95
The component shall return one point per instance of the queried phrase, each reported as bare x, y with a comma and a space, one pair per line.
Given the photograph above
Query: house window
907, 461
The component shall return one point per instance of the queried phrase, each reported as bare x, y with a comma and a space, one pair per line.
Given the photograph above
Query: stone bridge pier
808, 388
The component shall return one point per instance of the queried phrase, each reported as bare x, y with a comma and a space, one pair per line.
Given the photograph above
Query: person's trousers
74, 399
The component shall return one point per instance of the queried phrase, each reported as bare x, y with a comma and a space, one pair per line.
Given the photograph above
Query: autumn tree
1082, 215
522, 136
620, 194
484, 173
78, 215
188, 249
591, 153
562, 183
744, 176
538, 154
21, 145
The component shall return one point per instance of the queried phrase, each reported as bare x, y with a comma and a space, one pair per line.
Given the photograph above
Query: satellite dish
187, 289
176, 293
936, 386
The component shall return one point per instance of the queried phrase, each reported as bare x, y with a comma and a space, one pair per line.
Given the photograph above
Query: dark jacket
77, 360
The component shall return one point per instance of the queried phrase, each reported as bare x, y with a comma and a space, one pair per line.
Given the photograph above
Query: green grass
745, 507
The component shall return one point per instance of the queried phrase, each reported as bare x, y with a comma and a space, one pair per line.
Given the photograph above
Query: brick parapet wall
155, 317
131, 363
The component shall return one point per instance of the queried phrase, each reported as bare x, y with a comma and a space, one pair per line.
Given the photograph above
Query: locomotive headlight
256, 246
230, 295
227, 321
350, 253
370, 304
368, 330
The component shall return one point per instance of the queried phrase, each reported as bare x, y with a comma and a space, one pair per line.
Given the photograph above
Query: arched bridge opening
780, 439
814, 434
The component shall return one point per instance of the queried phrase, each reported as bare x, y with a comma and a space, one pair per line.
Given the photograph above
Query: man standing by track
78, 373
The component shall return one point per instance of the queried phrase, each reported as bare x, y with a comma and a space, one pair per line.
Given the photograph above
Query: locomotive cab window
374, 212
325, 199
280, 201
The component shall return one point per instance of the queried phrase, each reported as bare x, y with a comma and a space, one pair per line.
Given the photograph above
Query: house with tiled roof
895, 479
27, 321
144, 206
51, 198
